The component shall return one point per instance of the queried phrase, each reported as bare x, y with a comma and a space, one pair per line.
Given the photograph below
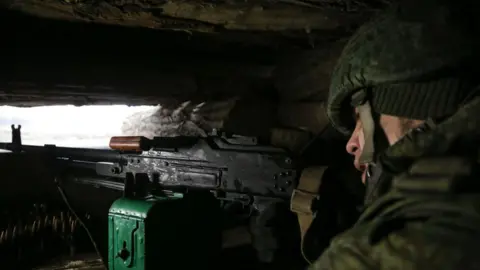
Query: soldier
406, 90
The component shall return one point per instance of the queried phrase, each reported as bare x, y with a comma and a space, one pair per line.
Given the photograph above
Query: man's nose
353, 144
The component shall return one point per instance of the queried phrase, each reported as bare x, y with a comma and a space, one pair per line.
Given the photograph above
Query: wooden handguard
130, 143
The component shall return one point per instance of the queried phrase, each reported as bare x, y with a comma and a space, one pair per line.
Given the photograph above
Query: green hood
418, 60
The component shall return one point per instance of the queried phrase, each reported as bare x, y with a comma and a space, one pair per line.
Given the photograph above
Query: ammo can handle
130, 143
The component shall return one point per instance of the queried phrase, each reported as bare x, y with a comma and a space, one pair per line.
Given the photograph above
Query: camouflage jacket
430, 217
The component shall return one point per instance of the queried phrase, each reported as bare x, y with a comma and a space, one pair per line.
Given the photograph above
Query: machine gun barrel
92, 155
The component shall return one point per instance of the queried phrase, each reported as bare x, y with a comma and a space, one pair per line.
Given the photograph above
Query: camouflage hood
418, 60
457, 135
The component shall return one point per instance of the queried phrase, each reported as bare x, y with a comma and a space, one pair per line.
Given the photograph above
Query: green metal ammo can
163, 233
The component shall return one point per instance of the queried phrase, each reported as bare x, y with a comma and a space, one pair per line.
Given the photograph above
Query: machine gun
234, 169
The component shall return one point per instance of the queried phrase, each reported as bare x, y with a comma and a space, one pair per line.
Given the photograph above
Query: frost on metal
178, 119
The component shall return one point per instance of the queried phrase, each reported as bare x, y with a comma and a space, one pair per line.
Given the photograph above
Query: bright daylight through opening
68, 125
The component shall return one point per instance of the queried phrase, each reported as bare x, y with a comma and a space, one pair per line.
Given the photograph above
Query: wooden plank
191, 16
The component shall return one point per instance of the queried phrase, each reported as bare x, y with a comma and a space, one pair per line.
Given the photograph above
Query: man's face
394, 128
